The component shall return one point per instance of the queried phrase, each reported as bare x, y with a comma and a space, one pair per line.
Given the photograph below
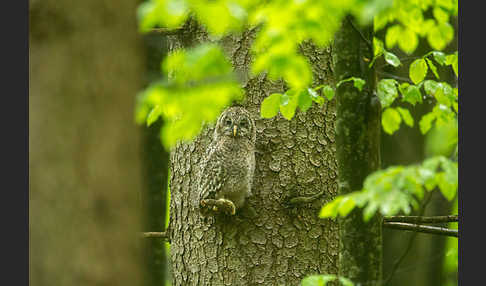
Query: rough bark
267, 243
357, 139
84, 209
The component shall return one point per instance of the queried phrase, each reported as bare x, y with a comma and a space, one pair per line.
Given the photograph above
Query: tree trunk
84, 157
156, 165
358, 151
266, 243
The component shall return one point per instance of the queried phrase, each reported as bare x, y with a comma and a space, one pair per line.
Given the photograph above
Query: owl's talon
229, 204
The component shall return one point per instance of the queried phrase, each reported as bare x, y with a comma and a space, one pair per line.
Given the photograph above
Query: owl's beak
235, 129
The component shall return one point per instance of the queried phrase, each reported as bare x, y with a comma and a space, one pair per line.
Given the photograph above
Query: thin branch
368, 43
421, 219
161, 235
404, 59
394, 76
410, 243
421, 228
303, 200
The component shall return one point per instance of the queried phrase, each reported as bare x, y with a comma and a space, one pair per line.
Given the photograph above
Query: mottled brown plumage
229, 164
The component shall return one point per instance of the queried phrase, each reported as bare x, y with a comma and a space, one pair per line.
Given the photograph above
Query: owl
226, 173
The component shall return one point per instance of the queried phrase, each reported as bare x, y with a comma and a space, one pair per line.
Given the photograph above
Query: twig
368, 43
394, 76
421, 228
409, 245
161, 235
421, 219
303, 200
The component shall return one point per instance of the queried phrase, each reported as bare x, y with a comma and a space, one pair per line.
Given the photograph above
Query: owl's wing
212, 176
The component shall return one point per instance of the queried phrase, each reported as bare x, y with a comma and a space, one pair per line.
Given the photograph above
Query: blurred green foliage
201, 76
322, 280
201, 83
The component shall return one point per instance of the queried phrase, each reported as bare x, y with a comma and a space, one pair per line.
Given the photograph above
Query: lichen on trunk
357, 137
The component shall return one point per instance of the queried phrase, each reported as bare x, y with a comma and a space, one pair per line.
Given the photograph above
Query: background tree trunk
156, 171
266, 243
86, 65
358, 152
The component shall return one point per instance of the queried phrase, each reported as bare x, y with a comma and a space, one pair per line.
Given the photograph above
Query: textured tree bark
86, 64
266, 243
358, 148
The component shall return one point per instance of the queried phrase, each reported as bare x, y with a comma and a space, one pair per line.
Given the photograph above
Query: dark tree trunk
266, 243
86, 64
358, 152
156, 165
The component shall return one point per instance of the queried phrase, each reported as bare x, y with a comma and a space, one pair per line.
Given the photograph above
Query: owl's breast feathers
228, 171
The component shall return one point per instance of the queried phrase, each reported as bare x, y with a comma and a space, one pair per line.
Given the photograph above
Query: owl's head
236, 122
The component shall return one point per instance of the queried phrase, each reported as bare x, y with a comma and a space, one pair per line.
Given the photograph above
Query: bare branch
410, 242
368, 43
303, 200
161, 235
421, 219
421, 228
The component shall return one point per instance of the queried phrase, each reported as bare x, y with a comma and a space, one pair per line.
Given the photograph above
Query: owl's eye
244, 124
227, 122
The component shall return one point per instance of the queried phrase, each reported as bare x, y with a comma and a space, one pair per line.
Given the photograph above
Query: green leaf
426, 122
387, 92
270, 105
315, 96
418, 70
440, 35
370, 211
448, 189
412, 94
377, 47
345, 281
288, 104
432, 68
453, 60
346, 206
358, 83
154, 115
392, 59
406, 116
408, 41
392, 35
328, 92
318, 280
391, 120
330, 210
305, 99
440, 15
431, 87
439, 57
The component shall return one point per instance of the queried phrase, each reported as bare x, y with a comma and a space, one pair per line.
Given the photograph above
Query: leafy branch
396, 189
